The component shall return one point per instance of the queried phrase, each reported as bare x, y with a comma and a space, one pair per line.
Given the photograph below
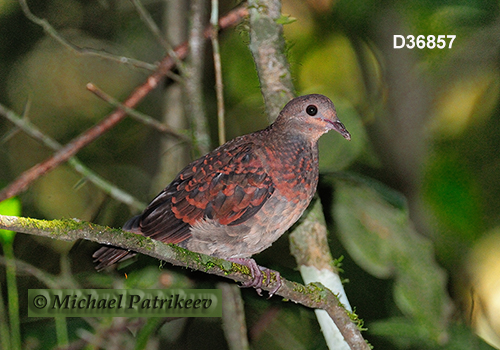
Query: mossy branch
311, 295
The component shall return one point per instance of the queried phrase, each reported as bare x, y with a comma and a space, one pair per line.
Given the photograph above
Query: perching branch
312, 295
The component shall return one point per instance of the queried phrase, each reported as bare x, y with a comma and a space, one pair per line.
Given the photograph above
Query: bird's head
311, 115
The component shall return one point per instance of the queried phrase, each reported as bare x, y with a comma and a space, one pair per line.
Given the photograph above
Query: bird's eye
312, 110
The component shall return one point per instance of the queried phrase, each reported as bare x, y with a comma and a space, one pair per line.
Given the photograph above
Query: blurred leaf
467, 99
404, 334
41, 333
11, 207
382, 240
365, 222
401, 331
285, 19
246, 116
480, 294
462, 338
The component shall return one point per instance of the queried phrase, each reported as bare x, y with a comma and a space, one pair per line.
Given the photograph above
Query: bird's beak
338, 127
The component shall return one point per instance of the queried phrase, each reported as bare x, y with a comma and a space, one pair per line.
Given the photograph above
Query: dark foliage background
412, 202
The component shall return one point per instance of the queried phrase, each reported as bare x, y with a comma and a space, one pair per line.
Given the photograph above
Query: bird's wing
228, 185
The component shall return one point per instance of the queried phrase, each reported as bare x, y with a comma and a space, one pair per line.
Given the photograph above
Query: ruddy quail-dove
237, 200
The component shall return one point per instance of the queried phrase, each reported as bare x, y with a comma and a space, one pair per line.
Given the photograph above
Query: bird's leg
257, 276
256, 272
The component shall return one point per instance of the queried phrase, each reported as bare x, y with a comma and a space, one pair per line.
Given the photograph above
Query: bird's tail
132, 224
108, 255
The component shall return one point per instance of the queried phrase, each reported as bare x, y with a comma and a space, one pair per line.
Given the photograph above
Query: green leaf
11, 207
285, 19
365, 221
382, 240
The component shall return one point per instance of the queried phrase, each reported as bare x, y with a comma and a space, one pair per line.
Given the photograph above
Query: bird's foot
257, 275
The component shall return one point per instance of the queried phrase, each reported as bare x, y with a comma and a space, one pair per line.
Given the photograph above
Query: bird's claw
257, 276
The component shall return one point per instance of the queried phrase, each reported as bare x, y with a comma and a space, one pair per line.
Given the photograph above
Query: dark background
423, 161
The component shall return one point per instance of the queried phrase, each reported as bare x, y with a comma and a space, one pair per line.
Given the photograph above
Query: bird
238, 199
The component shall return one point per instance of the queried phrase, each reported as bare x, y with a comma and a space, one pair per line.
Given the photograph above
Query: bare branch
68, 151
106, 186
52, 32
141, 117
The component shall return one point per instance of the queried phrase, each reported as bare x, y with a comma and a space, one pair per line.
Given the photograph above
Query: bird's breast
294, 171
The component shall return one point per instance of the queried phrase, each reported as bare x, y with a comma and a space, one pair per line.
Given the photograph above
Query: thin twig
141, 117
107, 187
68, 151
52, 32
150, 23
312, 295
219, 86
46, 278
